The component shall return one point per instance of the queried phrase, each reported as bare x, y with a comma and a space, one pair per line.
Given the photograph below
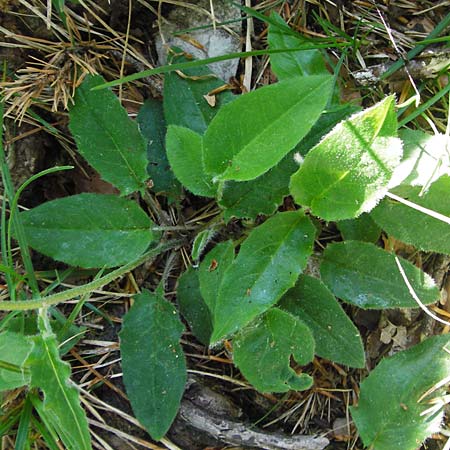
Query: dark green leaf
192, 306
395, 409
291, 64
253, 133
348, 172
89, 230
263, 349
337, 339
415, 227
107, 138
153, 128
185, 153
367, 276
268, 264
154, 369
363, 228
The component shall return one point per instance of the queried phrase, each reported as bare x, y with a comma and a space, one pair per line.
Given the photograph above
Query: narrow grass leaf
107, 138
253, 133
367, 276
337, 339
263, 349
268, 264
392, 408
88, 230
414, 227
348, 172
153, 364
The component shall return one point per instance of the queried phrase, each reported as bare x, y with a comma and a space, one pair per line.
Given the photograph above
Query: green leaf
185, 153
184, 97
14, 351
262, 352
291, 64
348, 172
244, 199
153, 364
192, 306
367, 276
253, 133
415, 227
212, 270
153, 128
337, 339
88, 230
107, 138
268, 264
201, 241
394, 410
61, 399
363, 228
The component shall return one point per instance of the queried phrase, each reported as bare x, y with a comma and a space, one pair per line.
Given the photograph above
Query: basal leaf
415, 227
212, 270
253, 133
14, 351
263, 349
244, 199
394, 410
185, 97
61, 399
153, 128
200, 242
337, 339
185, 153
88, 230
291, 64
363, 228
268, 264
348, 172
367, 276
192, 306
153, 364
107, 138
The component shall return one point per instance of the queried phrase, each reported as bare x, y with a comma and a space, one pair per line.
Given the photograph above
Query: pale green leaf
200, 242
291, 64
212, 270
88, 230
367, 276
394, 409
415, 227
185, 153
153, 364
253, 133
61, 399
107, 138
337, 339
192, 306
363, 228
268, 264
14, 351
263, 349
348, 172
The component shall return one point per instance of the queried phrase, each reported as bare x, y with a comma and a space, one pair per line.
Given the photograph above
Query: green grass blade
22, 440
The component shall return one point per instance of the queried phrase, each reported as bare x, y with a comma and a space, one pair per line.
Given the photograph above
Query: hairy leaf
348, 172
291, 64
154, 369
253, 133
263, 349
367, 276
268, 264
14, 351
88, 230
415, 227
61, 399
107, 138
394, 409
185, 153
363, 228
337, 339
